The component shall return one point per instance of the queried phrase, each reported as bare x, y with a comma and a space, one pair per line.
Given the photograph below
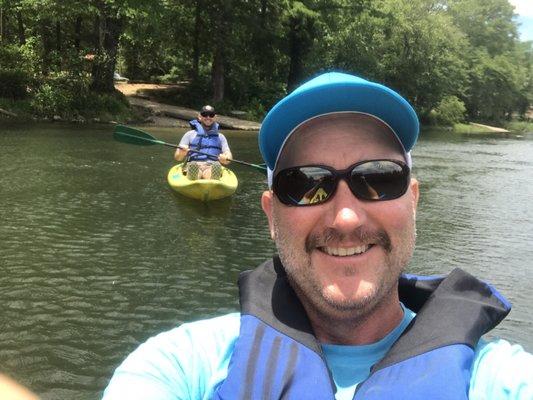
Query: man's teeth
345, 251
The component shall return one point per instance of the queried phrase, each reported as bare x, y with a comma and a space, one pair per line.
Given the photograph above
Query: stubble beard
208, 126
305, 282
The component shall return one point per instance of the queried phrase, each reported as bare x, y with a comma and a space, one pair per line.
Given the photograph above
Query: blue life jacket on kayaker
277, 356
205, 141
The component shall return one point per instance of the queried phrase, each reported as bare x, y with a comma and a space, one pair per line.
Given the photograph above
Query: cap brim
352, 94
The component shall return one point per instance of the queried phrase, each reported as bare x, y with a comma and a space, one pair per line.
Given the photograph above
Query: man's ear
416, 193
266, 204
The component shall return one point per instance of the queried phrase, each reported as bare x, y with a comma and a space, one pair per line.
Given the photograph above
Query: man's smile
344, 251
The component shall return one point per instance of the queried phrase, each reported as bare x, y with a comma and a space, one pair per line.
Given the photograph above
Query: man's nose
349, 212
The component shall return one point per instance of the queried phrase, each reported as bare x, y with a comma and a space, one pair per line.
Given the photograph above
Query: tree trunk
262, 13
2, 24
196, 42
58, 36
295, 55
263, 60
109, 31
132, 60
47, 46
21, 32
220, 33
96, 34
77, 33
218, 74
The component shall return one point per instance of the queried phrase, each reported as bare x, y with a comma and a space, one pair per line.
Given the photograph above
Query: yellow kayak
203, 189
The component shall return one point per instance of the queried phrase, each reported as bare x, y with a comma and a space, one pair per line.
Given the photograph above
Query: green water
98, 254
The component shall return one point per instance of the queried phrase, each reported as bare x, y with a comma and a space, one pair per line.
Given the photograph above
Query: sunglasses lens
375, 180
379, 180
304, 185
211, 115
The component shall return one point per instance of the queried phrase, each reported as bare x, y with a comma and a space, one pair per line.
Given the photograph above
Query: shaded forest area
454, 60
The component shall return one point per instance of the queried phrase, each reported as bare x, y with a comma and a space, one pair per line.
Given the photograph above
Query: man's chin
349, 302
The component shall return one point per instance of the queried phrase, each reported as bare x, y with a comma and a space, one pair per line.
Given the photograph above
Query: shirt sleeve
501, 371
224, 143
185, 363
187, 138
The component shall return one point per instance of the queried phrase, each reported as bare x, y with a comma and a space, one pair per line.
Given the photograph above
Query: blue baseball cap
336, 92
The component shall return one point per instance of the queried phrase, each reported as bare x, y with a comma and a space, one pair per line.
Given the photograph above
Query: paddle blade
126, 134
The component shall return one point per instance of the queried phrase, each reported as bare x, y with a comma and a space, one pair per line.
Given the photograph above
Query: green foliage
255, 110
497, 87
487, 23
140, 40
49, 101
520, 126
29, 56
15, 78
471, 129
424, 54
11, 57
173, 76
57, 94
13, 83
249, 53
22, 108
449, 111
195, 94
104, 106
69, 96
407, 44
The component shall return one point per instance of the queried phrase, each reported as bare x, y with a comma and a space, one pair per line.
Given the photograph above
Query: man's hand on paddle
224, 158
181, 152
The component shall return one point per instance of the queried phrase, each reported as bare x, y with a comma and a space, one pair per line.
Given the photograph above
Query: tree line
451, 58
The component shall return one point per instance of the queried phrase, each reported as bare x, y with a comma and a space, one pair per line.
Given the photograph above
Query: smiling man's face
207, 119
343, 256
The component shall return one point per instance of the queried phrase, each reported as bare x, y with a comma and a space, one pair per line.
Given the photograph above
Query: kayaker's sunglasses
374, 180
208, 114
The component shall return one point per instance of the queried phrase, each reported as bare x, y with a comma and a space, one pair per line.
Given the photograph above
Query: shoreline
157, 121
146, 112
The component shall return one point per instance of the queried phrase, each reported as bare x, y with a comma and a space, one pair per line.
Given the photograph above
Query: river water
98, 254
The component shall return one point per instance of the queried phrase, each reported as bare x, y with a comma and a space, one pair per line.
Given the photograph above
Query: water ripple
99, 254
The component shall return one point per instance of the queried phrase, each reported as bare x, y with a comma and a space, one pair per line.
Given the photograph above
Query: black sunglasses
208, 114
373, 180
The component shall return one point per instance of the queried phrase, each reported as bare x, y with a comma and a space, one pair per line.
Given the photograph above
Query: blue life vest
277, 356
207, 142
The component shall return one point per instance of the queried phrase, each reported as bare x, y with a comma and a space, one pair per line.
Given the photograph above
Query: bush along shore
66, 99
115, 108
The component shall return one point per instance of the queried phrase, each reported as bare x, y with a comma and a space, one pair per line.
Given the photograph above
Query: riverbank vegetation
455, 60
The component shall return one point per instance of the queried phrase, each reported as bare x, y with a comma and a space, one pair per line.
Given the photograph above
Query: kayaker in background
206, 138
333, 316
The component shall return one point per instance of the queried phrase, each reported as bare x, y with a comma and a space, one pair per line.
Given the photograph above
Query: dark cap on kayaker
335, 92
208, 109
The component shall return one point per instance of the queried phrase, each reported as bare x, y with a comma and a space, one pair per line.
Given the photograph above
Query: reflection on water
98, 253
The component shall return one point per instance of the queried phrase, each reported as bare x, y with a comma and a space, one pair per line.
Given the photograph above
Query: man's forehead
338, 132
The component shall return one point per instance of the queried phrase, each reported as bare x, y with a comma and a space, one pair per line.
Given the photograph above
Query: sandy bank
159, 114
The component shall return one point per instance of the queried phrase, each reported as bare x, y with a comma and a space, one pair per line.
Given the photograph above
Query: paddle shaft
208, 155
137, 134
